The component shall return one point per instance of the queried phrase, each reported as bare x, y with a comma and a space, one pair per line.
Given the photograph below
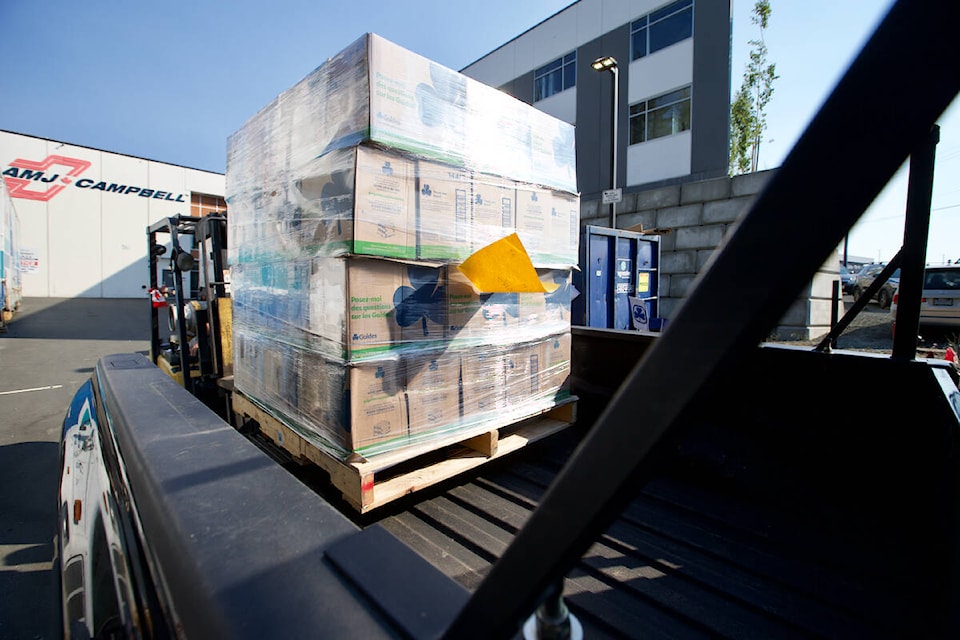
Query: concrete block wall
692, 219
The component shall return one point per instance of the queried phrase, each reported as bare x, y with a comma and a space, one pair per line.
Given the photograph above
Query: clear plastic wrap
402, 398
377, 91
352, 199
355, 308
366, 200
10, 280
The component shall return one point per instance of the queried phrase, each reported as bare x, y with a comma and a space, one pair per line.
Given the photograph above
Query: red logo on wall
20, 187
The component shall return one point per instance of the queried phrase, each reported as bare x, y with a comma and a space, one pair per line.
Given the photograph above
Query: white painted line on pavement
54, 386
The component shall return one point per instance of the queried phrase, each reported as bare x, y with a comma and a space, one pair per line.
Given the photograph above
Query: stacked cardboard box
366, 200
353, 196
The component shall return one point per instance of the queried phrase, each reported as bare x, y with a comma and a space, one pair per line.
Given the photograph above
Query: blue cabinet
615, 267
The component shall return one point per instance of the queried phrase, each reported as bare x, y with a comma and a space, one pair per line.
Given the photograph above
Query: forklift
191, 287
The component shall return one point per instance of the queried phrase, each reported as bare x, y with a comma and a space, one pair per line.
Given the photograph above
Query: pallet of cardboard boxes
353, 198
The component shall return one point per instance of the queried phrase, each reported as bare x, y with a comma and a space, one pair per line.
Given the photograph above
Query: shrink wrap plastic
366, 200
402, 398
11, 290
377, 91
353, 196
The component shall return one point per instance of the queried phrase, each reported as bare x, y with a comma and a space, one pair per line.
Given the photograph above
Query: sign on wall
42, 180
29, 261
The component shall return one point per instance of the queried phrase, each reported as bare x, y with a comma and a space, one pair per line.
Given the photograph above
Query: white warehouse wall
88, 241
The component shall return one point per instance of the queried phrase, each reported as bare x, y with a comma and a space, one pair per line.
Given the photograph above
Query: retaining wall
693, 218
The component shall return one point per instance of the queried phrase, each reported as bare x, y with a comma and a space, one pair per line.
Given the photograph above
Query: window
555, 77
202, 204
661, 116
942, 279
106, 607
662, 28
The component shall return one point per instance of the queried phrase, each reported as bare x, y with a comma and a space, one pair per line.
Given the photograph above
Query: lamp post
609, 63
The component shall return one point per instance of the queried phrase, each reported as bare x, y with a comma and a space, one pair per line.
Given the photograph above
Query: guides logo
25, 177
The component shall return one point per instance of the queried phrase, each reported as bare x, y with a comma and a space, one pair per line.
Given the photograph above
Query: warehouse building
673, 95
84, 212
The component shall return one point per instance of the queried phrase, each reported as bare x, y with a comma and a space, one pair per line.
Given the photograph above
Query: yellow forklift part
225, 309
176, 372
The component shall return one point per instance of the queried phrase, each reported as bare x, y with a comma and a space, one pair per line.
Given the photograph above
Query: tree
748, 119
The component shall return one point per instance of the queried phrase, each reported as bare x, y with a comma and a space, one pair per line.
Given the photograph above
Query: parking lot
871, 331
47, 352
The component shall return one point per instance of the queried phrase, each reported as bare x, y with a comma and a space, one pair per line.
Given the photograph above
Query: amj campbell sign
32, 180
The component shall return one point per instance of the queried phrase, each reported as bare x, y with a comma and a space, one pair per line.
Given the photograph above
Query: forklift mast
205, 316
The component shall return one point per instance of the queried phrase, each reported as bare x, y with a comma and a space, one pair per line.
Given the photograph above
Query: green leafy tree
748, 119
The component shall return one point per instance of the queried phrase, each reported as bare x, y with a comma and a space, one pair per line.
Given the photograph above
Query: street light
601, 64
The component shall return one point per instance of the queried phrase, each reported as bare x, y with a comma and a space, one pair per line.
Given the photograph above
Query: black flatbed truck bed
751, 527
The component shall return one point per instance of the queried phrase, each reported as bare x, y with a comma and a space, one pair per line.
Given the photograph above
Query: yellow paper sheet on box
504, 266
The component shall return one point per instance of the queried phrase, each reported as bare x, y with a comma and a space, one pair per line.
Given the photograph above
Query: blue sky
170, 81
812, 42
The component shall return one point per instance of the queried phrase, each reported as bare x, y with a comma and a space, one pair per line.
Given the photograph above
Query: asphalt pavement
46, 352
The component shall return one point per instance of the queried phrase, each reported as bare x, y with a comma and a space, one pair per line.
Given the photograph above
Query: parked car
866, 276
847, 278
940, 300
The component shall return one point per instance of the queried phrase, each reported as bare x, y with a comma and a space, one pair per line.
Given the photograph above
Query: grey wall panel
710, 116
594, 112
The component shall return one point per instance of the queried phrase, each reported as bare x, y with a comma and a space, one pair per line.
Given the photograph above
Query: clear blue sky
171, 80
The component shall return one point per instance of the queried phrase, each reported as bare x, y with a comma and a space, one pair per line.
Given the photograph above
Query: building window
664, 115
555, 77
202, 204
662, 28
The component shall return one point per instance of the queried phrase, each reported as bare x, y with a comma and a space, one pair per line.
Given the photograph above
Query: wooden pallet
370, 483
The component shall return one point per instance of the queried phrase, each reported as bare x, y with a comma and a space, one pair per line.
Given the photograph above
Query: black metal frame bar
849, 152
835, 297
915, 230
174, 226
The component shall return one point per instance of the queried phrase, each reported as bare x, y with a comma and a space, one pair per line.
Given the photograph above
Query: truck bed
685, 560
820, 524
777, 511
